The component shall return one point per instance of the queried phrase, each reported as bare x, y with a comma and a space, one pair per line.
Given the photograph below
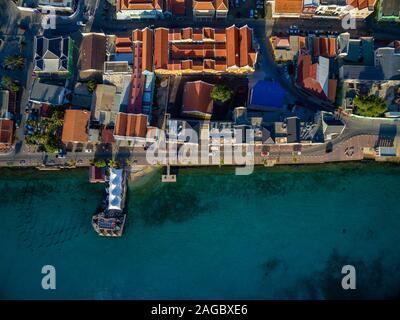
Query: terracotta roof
302, 43
93, 52
222, 4
197, 97
107, 135
304, 65
220, 35
6, 131
123, 45
147, 54
361, 4
210, 5
139, 5
282, 42
187, 33
245, 45
289, 6
76, 124
307, 75
161, 48
314, 86
123, 41
326, 47
203, 5
131, 125
232, 46
332, 88
137, 35
232, 50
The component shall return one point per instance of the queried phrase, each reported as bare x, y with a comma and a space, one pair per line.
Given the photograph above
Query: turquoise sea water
280, 233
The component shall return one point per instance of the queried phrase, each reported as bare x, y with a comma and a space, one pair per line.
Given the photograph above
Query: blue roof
268, 94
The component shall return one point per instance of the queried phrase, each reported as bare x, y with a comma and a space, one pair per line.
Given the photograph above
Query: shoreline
144, 170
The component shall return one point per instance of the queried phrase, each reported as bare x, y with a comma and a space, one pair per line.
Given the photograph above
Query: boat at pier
110, 219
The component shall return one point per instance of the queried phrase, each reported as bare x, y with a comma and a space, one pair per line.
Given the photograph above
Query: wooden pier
168, 177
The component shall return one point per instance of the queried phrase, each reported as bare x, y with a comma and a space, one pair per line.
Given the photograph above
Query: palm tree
91, 85
9, 84
113, 164
14, 62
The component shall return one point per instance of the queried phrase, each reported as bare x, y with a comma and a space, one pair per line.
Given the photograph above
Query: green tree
100, 163
14, 62
113, 164
370, 106
51, 144
221, 93
91, 85
9, 84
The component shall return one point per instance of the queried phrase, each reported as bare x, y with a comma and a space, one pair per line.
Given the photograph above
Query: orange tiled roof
203, 5
332, 88
139, 5
147, 59
6, 131
131, 125
197, 97
326, 47
361, 4
123, 44
161, 48
302, 42
76, 124
137, 35
289, 6
232, 50
210, 5
307, 75
232, 46
221, 4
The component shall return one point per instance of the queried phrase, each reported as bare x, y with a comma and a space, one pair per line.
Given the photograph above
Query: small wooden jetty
168, 177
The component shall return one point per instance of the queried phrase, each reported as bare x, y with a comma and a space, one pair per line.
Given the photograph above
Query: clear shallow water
281, 233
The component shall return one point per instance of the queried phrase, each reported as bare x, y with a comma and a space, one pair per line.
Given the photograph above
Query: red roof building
204, 50
76, 126
130, 126
6, 133
138, 5
197, 101
325, 47
307, 75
